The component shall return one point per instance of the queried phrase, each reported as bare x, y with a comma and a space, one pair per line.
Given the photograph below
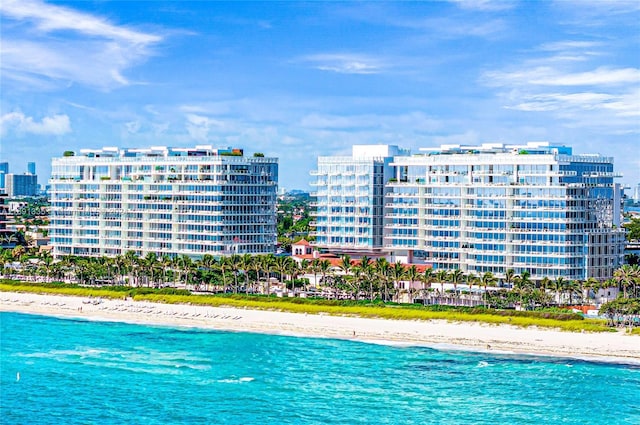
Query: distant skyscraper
21, 185
4, 170
31, 168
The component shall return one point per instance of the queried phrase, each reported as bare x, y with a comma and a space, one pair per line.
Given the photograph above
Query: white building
490, 208
533, 208
169, 201
350, 199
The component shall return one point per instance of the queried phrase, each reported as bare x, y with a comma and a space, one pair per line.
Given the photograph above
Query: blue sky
298, 80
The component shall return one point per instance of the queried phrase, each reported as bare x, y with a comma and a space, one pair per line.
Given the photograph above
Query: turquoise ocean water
82, 372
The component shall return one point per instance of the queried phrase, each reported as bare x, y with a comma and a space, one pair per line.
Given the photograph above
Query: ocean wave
236, 380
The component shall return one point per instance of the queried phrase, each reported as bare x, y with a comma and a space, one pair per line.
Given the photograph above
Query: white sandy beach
439, 334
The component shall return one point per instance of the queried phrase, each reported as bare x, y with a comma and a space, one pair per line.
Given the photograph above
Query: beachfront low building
168, 201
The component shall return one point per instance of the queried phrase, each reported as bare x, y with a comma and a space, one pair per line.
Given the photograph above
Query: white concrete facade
350, 199
490, 208
169, 201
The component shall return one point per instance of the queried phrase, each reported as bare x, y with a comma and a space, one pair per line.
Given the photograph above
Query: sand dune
614, 346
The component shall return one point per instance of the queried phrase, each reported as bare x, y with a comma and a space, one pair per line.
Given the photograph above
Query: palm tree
545, 283
315, 269
590, 284
148, 265
572, 286
627, 277
257, 265
282, 266
207, 262
428, 278
235, 261
509, 275
269, 264
245, 264
442, 276
355, 280
635, 273
456, 277
186, 266
558, 287
325, 267
130, 265
47, 259
524, 284
470, 279
304, 268
397, 273
412, 275
487, 279
382, 268
367, 273
345, 264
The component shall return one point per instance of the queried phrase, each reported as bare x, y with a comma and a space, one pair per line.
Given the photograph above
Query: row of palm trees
362, 279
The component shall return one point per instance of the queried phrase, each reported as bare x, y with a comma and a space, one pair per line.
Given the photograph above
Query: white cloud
573, 86
469, 137
345, 63
55, 125
569, 45
548, 76
132, 126
621, 105
48, 18
485, 5
55, 43
199, 126
417, 121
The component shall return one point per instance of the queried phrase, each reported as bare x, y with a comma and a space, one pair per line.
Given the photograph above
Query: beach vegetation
281, 282
633, 229
363, 308
622, 312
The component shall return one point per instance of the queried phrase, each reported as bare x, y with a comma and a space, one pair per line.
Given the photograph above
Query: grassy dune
562, 321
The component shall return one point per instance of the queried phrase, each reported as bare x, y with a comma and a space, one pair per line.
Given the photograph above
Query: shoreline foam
614, 347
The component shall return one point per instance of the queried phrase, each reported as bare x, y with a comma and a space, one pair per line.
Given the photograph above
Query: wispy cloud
53, 43
624, 105
345, 63
199, 126
48, 18
570, 80
547, 76
570, 45
485, 5
416, 120
55, 125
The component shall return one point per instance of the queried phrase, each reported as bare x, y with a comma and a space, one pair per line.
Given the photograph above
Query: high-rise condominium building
169, 201
350, 199
490, 208
21, 184
4, 170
